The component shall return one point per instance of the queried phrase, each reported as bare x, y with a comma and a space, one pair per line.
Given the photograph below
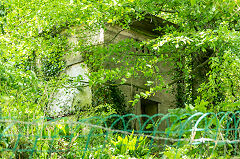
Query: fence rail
198, 135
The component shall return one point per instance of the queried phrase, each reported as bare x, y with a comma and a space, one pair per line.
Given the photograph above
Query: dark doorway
150, 108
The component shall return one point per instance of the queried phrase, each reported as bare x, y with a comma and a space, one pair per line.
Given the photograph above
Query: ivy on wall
52, 60
30, 30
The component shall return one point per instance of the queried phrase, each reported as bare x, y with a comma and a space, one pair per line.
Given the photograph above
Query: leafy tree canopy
206, 37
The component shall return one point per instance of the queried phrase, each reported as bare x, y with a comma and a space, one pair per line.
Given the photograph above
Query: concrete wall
66, 98
165, 100
70, 99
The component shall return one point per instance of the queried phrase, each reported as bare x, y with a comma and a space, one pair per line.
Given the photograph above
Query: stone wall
66, 98
69, 99
164, 100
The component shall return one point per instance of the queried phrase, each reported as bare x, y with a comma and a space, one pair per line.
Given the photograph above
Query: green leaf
149, 126
193, 2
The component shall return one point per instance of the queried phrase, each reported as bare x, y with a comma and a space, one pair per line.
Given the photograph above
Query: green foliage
21, 90
200, 43
195, 135
104, 95
52, 59
131, 145
34, 31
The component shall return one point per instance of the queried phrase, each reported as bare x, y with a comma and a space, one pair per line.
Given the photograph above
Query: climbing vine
197, 39
52, 60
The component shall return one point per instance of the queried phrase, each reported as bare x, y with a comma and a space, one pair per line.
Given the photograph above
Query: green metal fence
198, 135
